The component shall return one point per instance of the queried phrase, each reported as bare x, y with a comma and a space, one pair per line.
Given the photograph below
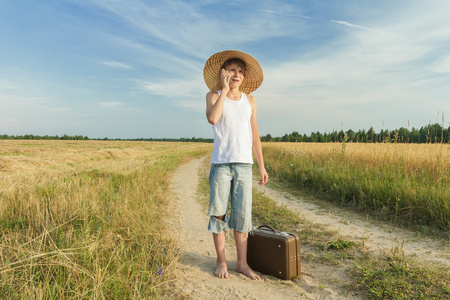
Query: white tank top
233, 133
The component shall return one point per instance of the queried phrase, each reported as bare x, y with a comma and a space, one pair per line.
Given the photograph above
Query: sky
134, 68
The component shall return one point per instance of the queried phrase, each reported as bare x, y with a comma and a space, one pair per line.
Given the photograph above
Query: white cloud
195, 105
182, 93
157, 57
289, 13
174, 88
110, 104
186, 27
353, 25
116, 64
11, 120
443, 66
271, 12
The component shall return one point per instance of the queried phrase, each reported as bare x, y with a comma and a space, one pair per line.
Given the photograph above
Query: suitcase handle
268, 226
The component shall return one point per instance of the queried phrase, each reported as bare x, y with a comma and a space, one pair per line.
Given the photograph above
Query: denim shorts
235, 180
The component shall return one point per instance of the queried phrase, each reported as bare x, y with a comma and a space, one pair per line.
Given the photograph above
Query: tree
286, 138
403, 135
371, 135
350, 135
414, 137
267, 138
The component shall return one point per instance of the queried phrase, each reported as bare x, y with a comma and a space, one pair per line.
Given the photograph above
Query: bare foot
247, 271
221, 270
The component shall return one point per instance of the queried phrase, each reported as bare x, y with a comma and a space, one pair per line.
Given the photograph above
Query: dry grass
402, 182
411, 156
84, 219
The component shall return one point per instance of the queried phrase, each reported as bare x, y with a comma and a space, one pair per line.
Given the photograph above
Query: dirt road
196, 268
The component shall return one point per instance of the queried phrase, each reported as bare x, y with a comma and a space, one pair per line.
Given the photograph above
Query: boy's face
237, 75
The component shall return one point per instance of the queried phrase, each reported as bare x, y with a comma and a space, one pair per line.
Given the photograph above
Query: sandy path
197, 264
195, 270
198, 260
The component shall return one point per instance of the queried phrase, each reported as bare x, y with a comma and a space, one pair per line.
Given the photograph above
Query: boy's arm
214, 102
214, 106
257, 149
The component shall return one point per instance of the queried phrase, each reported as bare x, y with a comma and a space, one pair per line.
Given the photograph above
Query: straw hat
253, 75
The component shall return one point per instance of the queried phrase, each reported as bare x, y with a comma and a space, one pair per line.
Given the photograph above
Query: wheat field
407, 183
85, 219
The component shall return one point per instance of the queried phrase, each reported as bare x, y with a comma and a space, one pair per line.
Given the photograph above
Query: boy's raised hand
224, 80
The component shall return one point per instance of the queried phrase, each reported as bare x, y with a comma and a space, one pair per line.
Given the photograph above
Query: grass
407, 184
377, 276
393, 277
86, 219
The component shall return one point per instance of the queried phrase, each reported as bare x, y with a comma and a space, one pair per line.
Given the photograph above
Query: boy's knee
221, 218
217, 224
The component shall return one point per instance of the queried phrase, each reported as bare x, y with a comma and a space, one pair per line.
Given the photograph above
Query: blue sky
131, 69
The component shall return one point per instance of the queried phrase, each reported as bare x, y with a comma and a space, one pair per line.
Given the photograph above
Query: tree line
431, 133
42, 137
80, 137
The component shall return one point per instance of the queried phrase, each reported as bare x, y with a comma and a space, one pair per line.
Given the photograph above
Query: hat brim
253, 74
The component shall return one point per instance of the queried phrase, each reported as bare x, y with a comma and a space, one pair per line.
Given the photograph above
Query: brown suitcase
273, 252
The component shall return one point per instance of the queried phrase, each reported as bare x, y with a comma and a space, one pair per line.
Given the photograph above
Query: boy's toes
221, 271
247, 271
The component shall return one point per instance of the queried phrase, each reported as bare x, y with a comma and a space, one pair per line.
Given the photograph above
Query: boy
231, 76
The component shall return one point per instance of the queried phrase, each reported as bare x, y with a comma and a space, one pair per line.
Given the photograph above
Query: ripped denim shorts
235, 180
